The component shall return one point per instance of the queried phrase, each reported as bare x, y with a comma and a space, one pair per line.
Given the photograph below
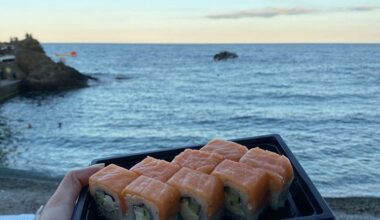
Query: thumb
63, 200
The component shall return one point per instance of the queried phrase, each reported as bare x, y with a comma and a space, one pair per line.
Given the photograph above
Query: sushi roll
279, 169
106, 186
151, 199
157, 169
202, 195
245, 189
198, 160
228, 149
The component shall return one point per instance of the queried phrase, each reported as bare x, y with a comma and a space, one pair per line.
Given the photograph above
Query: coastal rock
122, 77
225, 55
29, 43
42, 73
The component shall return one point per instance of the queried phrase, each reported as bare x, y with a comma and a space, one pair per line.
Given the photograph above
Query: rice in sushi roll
151, 199
279, 169
106, 186
202, 195
245, 189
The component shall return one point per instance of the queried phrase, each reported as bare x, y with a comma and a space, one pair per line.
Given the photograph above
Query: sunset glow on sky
196, 21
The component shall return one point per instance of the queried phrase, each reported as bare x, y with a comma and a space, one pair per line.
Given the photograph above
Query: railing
8, 89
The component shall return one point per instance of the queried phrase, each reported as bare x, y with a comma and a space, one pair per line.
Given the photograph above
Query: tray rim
326, 214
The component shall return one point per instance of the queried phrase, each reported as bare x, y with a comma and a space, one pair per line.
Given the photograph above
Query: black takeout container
304, 201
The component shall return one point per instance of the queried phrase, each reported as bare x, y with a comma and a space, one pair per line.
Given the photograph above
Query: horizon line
205, 43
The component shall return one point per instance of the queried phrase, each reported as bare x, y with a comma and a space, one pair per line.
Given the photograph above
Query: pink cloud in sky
273, 12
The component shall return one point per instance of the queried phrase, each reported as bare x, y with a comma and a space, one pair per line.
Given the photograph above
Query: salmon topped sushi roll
198, 160
280, 164
245, 188
202, 195
106, 187
228, 149
157, 169
279, 169
151, 199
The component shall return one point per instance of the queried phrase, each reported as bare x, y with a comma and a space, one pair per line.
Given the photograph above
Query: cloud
264, 13
273, 12
362, 8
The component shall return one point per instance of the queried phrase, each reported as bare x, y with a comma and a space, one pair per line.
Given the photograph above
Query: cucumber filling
233, 201
106, 203
190, 209
141, 212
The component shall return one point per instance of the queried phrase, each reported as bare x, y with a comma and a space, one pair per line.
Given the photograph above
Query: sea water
323, 99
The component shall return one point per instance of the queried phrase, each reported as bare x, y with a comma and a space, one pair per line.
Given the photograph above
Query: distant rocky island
36, 70
225, 55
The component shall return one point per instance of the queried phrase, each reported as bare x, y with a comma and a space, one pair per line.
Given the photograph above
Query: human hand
61, 204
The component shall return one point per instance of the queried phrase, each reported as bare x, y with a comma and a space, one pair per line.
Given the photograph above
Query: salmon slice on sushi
202, 195
198, 160
279, 169
151, 199
245, 189
230, 150
106, 187
155, 168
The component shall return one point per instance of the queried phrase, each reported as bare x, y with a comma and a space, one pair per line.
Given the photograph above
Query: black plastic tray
304, 201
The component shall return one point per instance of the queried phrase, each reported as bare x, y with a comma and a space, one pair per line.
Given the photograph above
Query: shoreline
9, 89
24, 195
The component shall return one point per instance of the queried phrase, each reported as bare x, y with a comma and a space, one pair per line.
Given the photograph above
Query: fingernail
99, 165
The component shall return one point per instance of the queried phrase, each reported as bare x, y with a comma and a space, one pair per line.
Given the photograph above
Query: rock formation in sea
41, 72
224, 55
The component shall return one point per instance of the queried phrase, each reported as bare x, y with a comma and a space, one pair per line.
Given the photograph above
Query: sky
192, 21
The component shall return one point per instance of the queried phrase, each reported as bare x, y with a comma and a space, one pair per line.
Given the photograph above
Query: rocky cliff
42, 73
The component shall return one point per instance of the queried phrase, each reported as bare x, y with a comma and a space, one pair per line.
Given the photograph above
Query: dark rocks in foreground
224, 55
41, 72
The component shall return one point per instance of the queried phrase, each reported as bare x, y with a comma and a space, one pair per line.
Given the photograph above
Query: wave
29, 174
315, 97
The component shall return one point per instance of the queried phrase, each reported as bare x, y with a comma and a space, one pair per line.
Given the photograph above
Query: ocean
323, 99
